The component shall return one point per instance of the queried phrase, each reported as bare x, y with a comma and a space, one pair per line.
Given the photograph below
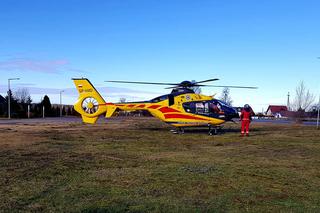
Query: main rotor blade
172, 87
179, 86
213, 79
139, 82
240, 87
201, 85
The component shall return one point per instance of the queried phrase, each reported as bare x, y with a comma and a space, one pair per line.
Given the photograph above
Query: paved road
41, 120
102, 120
307, 123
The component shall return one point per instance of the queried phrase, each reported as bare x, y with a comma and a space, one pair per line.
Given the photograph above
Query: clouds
36, 65
34, 68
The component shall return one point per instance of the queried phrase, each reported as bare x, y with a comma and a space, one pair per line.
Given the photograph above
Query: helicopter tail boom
90, 103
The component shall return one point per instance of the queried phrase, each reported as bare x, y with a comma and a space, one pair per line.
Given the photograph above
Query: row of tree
21, 100
304, 100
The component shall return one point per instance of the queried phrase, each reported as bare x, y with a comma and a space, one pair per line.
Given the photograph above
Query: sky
269, 44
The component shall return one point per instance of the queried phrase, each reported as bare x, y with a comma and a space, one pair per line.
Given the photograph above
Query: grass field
137, 165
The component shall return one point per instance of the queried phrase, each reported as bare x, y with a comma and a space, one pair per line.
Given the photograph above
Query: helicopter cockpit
212, 108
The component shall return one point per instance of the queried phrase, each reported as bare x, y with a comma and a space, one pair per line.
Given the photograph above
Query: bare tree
303, 99
122, 100
22, 96
196, 89
225, 96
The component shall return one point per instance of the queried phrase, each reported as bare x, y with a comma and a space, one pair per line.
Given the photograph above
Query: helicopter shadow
204, 130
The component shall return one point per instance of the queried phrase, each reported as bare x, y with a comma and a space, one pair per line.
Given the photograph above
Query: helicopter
181, 108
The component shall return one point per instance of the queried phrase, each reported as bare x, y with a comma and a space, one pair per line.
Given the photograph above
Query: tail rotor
90, 103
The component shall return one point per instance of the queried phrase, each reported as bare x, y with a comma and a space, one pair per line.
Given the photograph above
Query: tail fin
90, 104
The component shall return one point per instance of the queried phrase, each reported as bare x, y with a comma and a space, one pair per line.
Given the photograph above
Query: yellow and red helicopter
183, 107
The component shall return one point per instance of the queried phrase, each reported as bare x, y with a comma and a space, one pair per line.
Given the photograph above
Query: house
277, 111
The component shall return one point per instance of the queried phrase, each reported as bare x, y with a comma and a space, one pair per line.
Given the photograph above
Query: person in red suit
246, 117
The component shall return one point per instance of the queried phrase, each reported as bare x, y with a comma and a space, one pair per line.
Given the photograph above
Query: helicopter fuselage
182, 108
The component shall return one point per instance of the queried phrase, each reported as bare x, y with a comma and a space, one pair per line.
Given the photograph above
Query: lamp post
61, 102
318, 109
9, 96
318, 113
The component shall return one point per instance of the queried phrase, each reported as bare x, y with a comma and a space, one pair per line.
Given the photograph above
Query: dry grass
137, 165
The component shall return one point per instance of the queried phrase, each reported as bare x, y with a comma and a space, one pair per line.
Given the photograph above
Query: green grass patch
137, 165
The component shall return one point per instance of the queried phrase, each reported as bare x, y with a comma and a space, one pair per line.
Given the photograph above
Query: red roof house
276, 110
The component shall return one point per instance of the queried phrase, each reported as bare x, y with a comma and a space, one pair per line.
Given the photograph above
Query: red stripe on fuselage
167, 109
154, 106
181, 116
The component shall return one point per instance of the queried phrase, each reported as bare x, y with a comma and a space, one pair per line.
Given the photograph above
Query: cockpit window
171, 99
197, 107
212, 108
222, 103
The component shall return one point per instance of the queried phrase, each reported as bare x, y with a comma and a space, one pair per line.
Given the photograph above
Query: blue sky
270, 44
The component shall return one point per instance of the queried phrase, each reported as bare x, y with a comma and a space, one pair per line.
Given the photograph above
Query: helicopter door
171, 99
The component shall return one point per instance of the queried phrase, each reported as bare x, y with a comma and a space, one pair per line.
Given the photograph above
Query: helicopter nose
233, 113
236, 114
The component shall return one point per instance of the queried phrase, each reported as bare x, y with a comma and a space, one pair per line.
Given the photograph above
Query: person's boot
247, 134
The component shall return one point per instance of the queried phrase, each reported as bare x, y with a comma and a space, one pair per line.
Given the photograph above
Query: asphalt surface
307, 123
41, 120
4, 121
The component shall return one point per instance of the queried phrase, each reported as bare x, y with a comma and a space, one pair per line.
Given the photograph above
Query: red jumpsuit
245, 120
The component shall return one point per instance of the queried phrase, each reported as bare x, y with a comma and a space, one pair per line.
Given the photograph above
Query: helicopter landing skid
179, 130
213, 130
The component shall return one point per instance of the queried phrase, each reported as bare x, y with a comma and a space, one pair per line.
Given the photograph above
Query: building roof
2, 100
277, 108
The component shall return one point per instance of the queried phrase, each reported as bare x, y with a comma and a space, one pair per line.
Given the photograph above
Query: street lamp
9, 95
61, 102
318, 113
318, 110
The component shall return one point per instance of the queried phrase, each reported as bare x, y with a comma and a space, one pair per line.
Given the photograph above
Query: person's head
246, 106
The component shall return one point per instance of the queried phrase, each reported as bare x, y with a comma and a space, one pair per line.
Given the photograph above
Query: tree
69, 111
63, 110
37, 110
14, 106
3, 106
122, 100
225, 96
196, 89
22, 96
303, 99
47, 106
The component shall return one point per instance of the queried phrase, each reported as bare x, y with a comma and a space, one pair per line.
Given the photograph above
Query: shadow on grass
205, 130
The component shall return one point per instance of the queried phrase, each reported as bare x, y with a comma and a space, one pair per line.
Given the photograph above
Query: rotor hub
186, 84
90, 105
